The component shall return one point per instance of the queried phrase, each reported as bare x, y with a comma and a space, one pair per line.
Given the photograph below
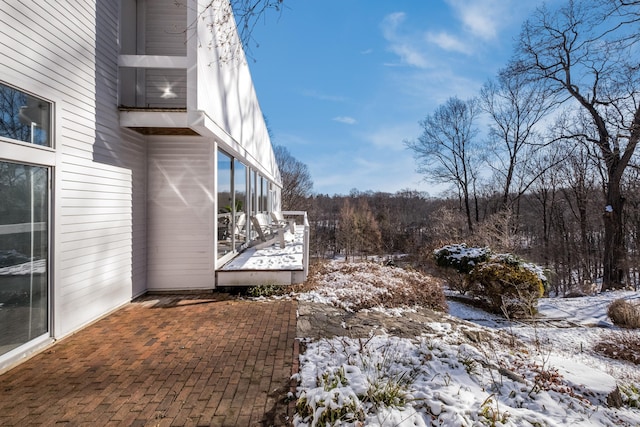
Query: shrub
355, 286
461, 257
267, 290
620, 345
624, 314
507, 285
505, 282
630, 395
455, 280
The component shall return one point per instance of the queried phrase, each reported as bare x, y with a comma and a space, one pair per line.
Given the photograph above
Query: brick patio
163, 360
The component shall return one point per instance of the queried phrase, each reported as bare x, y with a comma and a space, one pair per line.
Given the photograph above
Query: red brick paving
163, 360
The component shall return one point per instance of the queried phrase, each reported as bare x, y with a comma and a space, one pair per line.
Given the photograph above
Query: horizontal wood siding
67, 52
165, 34
165, 31
181, 214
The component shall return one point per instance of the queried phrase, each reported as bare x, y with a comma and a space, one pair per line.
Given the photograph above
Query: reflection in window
253, 179
263, 194
239, 205
24, 213
224, 223
24, 117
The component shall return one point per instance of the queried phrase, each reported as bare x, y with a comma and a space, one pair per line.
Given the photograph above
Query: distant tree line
557, 224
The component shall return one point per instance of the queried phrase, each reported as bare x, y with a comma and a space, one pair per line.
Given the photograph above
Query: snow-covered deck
271, 264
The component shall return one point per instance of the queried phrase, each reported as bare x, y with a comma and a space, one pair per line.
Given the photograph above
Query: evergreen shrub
507, 287
460, 257
507, 284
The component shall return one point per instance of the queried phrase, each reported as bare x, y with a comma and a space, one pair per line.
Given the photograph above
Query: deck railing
305, 248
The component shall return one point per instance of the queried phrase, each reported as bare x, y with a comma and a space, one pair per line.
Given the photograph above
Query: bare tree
11, 103
515, 105
296, 180
446, 151
232, 23
583, 52
346, 234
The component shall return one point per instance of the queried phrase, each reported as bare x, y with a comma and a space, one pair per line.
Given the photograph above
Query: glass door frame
47, 322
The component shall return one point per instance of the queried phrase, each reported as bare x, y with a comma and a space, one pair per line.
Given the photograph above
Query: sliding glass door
24, 254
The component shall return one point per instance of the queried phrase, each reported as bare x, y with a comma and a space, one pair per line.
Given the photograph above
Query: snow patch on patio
272, 257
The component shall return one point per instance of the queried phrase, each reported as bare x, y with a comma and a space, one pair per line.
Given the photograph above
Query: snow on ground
272, 257
517, 375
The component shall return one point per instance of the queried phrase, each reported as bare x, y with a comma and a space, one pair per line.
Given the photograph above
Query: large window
24, 117
233, 220
24, 249
264, 191
225, 202
240, 204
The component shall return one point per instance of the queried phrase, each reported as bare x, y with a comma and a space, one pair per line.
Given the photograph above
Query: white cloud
409, 55
364, 172
391, 137
404, 47
323, 97
448, 42
345, 119
291, 139
481, 18
391, 23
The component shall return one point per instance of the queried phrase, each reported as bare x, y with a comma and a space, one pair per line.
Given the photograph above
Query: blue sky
343, 83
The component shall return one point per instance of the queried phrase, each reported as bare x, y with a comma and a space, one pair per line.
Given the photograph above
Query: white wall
181, 213
226, 93
67, 52
165, 34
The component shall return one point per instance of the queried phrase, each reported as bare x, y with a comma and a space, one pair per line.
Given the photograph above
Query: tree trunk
467, 207
614, 261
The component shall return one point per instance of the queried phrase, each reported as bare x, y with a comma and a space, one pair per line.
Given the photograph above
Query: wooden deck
269, 265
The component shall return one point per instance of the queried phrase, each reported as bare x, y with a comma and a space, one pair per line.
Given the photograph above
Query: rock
614, 399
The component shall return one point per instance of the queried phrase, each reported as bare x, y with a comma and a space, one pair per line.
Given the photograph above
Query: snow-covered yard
481, 371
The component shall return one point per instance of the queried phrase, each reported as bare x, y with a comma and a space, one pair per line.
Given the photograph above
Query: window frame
51, 129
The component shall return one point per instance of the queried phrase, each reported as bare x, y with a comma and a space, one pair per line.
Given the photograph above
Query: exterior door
24, 254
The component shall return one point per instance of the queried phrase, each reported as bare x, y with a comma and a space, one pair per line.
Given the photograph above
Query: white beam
152, 61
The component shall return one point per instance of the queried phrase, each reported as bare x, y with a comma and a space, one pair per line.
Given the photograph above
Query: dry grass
620, 346
624, 314
362, 285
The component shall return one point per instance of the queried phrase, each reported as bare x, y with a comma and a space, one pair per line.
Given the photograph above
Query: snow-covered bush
355, 286
630, 395
508, 287
505, 282
331, 403
461, 257
372, 386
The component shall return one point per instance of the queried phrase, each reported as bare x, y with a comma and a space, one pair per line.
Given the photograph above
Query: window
24, 117
233, 222
264, 185
240, 204
225, 201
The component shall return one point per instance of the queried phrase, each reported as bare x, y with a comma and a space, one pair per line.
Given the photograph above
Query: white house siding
165, 25
67, 52
225, 92
181, 213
